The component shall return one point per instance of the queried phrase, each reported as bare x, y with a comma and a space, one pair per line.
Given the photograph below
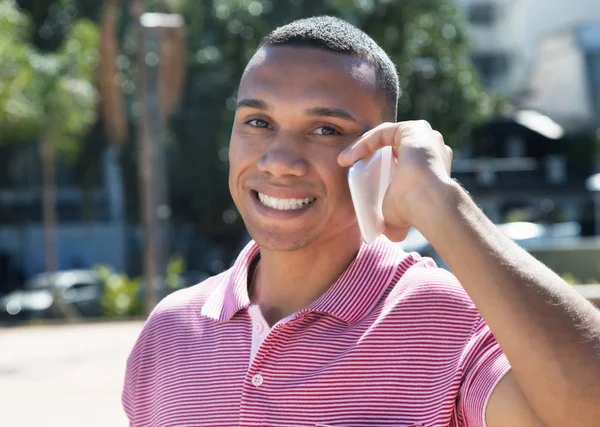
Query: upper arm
508, 406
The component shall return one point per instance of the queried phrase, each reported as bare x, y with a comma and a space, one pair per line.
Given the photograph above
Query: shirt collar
350, 298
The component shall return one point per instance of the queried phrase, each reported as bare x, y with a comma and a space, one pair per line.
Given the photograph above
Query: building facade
507, 33
91, 227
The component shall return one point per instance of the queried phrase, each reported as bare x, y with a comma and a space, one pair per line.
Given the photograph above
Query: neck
288, 281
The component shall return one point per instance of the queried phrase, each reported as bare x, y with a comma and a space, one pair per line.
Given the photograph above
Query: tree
426, 39
48, 97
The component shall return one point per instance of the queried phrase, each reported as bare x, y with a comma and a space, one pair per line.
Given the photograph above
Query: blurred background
115, 118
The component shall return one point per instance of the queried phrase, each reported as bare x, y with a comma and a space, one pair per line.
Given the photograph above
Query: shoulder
170, 325
177, 313
422, 286
174, 317
185, 304
424, 277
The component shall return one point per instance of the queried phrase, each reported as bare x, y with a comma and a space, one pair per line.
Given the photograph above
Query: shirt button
257, 380
258, 327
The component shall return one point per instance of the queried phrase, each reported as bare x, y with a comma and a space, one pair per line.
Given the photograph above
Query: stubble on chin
280, 242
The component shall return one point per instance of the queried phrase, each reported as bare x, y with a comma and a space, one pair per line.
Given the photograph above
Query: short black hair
336, 35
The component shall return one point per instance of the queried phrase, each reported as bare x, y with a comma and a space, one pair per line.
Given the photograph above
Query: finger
450, 155
368, 143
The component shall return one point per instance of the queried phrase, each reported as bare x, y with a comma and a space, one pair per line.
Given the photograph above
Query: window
515, 147
556, 169
483, 14
491, 65
594, 73
82, 291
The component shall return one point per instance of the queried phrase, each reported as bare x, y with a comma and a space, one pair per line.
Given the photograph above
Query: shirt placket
257, 382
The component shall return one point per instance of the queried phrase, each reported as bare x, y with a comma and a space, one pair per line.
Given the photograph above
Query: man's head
335, 35
312, 88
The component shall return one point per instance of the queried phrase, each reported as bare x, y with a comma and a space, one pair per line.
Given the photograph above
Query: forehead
310, 74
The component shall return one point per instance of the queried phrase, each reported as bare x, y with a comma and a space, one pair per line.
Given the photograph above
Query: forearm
550, 334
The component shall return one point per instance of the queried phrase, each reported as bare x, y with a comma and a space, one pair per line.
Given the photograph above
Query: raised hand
422, 169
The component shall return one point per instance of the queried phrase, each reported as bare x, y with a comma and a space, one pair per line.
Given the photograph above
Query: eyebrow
315, 111
331, 112
252, 103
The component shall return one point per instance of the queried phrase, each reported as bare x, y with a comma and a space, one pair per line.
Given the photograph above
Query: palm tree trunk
49, 211
150, 134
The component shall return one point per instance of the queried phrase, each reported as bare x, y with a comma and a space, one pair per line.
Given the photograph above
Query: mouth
281, 204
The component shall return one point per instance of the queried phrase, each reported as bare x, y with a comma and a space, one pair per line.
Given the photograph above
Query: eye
327, 131
258, 123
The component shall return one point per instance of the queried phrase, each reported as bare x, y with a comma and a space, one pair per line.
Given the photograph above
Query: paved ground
64, 376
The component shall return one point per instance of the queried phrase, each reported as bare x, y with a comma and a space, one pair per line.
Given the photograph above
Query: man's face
298, 108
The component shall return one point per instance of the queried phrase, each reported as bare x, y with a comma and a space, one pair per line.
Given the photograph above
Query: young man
311, 327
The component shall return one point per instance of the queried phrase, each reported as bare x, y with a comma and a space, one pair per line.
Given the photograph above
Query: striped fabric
394, 342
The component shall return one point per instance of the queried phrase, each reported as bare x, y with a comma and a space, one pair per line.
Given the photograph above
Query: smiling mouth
283, 204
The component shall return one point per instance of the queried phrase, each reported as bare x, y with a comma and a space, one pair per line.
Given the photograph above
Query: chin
281, 242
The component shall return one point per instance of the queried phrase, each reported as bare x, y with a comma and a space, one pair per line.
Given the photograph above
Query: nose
283, 158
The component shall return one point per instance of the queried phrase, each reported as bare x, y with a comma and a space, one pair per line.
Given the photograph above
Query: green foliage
425, 38
18, 111
122, 295
49, 94
175, 267
428, 42
71, 97
518, 215
572, 280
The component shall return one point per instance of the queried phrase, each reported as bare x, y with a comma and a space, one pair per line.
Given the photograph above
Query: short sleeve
484, 365
128, 395
129, 398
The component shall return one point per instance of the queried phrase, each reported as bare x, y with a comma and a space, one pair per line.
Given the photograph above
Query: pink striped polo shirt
395, 341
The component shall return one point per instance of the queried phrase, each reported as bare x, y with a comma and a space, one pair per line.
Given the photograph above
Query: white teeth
284, 204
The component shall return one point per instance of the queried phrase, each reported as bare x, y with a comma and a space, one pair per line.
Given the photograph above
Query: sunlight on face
297, 109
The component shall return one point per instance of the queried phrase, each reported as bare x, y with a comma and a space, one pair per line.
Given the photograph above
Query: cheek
343, 186
343, 199
337, 181
236, 149
241, 156
239, 161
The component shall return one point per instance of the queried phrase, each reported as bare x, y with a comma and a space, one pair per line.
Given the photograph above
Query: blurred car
81, 289
525, 234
